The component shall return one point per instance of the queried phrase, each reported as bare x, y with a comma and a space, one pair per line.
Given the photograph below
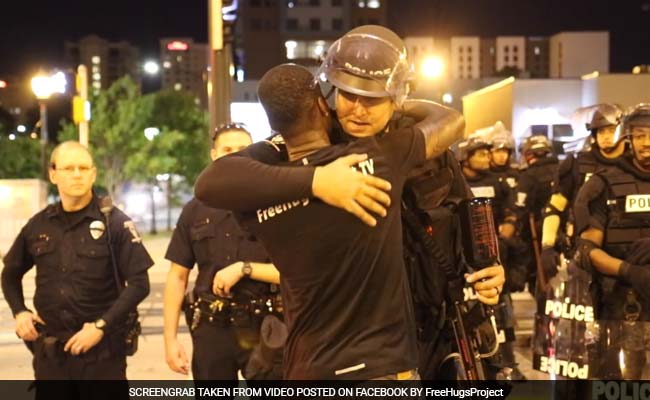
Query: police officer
224, 328
474, 156
532, 194
573, 172
613, 220
502, 156
77, 330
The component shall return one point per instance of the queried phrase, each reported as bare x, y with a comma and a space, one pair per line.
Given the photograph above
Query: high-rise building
511, 52
106, 61
270, 32
185, 66
573, 54
16, 96
465, 57
488, 56
537, 56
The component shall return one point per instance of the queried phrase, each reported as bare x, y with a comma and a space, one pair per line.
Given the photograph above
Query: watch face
100, 324
247, 269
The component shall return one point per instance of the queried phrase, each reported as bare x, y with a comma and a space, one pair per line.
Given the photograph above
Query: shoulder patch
512, 182
134, 233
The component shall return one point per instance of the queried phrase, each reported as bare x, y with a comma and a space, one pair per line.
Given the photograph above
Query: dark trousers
60, 375
219, 352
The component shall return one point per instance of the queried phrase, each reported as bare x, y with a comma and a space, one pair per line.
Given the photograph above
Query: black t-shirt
212, 239
347, 300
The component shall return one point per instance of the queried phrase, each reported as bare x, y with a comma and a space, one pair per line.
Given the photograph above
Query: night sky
33, 34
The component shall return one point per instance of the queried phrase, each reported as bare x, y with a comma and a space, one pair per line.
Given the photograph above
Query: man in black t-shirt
347, 301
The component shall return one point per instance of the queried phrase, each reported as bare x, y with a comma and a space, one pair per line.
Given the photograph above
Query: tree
7, 122
508, 71
119, 116
21, 158
180, 149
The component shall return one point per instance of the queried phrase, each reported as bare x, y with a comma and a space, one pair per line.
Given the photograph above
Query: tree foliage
120, 115
20, 158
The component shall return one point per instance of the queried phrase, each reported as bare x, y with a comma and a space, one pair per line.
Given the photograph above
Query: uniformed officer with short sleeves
77, 330
223, 327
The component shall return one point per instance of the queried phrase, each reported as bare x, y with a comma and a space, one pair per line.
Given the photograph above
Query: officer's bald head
63, 148
288, 93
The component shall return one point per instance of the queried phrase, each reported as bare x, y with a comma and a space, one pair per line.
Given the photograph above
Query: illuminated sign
177, 45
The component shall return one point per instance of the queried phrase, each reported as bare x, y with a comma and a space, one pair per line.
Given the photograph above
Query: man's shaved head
67, 145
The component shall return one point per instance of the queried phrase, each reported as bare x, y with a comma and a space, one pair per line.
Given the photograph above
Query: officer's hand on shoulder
226, 278
338, 185
84, 340
25, 325
488, 283
176, 357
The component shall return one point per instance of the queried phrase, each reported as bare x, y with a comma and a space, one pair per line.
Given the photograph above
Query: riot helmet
603, 115
638, 117
535, 146
368, 61
467, 147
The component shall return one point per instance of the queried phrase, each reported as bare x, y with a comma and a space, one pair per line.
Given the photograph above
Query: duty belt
226, 311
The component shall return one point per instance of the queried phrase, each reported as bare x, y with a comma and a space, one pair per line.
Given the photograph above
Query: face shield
367, 65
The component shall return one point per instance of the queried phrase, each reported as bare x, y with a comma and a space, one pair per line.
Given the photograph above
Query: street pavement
149, 362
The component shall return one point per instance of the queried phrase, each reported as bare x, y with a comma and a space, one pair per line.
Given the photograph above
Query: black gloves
550, 261
638, 276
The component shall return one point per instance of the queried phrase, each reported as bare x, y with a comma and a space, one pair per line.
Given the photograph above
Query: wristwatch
100, 324
247, 269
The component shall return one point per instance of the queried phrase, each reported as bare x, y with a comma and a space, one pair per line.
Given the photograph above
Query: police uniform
75, 284
573, 172
507, 175
616, 201
222, 336
532, 194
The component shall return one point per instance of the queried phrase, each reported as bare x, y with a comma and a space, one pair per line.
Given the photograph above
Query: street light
151, 67
432, 67
44, 87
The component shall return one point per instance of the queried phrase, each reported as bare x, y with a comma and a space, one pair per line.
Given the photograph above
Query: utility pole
221, 17
80, 104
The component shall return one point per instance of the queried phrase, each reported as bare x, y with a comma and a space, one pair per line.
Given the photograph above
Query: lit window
374, 4
319, 48
362, 3
96, 59
97, 85
97, 77
178, 86
290, 4
95, 69
167, 64
537, 50
179, 58
291, 49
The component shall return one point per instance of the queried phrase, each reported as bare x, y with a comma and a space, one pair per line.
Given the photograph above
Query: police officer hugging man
91, 273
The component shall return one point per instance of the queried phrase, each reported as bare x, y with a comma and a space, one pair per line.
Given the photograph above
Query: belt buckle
405, 375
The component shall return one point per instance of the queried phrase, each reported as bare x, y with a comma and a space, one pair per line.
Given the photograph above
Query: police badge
97, 229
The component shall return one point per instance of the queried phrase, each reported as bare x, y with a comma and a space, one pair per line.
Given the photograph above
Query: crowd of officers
593, 208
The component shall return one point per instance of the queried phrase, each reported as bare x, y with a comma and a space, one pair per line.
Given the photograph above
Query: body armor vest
544, 173
588, 162
628, 203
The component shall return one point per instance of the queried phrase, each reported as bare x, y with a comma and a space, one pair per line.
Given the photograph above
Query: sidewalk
149, 362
